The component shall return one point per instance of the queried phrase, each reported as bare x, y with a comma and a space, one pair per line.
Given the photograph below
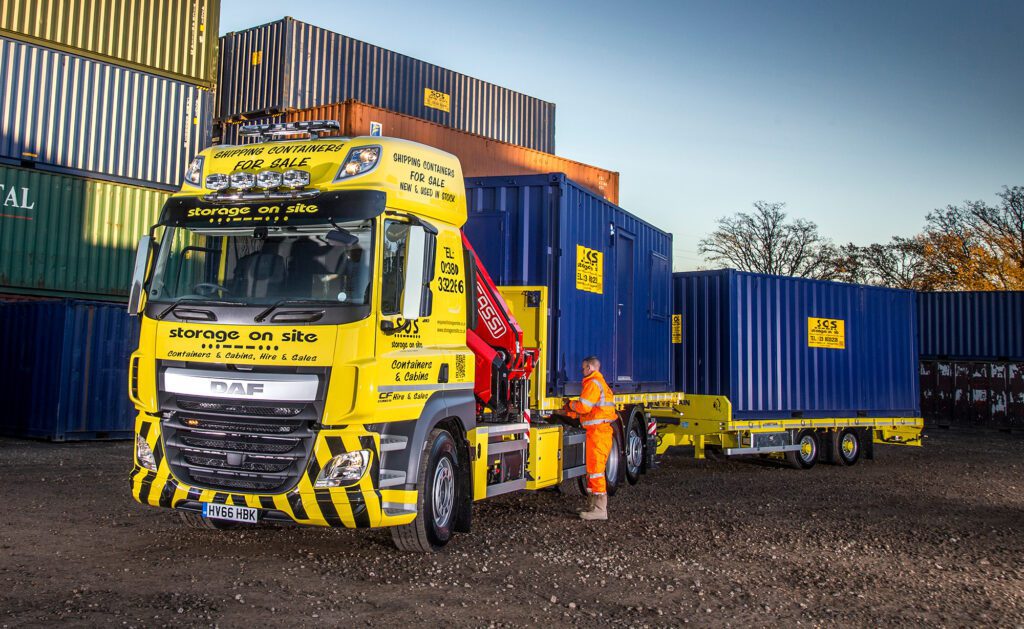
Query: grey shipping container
71, 114
608, 275
172, 38
65, 366
784, 347
69, 235
288, 65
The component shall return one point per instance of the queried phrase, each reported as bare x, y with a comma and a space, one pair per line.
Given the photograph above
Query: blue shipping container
288, 65
782, 347
608, 274
977, 325
69, 114
65, 366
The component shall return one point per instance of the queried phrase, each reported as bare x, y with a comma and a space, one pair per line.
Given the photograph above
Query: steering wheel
208, 288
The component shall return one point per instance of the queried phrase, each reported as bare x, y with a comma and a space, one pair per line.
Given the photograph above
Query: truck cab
303, 347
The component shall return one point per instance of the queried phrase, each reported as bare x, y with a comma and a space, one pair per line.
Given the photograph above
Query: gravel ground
931, 535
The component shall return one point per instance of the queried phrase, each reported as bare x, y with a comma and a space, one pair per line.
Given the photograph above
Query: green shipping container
65, 235
173, 38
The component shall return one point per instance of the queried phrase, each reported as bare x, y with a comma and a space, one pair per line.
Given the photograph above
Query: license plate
230, 512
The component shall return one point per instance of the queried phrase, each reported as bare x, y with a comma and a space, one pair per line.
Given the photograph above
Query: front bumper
359, 505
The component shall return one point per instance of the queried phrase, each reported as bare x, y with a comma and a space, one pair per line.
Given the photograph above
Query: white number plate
230, 512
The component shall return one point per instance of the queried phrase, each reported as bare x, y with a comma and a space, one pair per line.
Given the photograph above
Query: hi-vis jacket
596, 404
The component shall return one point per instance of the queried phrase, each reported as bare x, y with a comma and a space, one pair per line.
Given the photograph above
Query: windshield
265, 265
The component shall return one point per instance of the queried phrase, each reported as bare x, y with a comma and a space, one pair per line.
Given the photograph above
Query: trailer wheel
636, 436
437, 500
612, 469
196, 521
847, 447
807, 455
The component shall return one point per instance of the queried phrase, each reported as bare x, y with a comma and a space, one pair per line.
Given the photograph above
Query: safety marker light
295, 178
194, 173
359, 160
268, 179
217, 181
243, 181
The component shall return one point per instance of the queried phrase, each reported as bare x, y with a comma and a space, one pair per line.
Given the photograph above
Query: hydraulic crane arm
503, 365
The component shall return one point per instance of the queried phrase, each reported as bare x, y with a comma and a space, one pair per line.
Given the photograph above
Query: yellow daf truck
320, 345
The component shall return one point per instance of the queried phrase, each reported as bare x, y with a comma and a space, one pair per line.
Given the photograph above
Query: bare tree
764, 241
899, 263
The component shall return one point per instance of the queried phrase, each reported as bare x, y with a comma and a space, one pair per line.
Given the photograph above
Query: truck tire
807, 455
437, 500
636, 437
847, 447
612, 469
196, 521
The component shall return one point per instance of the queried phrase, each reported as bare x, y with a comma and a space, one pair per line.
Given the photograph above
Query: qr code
460, 367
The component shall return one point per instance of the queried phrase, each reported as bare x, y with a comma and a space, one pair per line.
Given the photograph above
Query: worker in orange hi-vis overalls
596, 411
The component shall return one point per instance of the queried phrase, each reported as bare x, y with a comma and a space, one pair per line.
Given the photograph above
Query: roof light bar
312, 128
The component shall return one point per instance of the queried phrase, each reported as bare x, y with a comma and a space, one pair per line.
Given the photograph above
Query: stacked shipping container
972, 358
103, 104
288, 65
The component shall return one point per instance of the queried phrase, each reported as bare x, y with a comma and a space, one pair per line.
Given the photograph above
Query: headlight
243, 181
295, 178
144, 454
343, 469
268, 179
194, 173
358, 161
217, 181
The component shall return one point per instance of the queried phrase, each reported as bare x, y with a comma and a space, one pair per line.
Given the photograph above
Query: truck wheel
612, 469
438, 483
807, 455
636, 436
847, 447
196, 521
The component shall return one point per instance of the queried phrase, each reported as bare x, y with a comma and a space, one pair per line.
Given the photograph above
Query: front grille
258, 454
203, 406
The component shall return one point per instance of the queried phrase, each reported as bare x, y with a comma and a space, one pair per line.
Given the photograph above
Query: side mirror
139, 275
412, 293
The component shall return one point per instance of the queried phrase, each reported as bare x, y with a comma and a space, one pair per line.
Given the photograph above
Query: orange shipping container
480, 156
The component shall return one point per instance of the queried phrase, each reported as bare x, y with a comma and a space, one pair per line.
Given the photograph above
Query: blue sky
860, 115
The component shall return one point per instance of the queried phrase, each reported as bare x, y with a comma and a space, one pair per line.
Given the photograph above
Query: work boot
589, 506
600, 510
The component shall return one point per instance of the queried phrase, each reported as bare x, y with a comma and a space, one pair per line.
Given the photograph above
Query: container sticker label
437, 100
376, 129
589, 270
827, 333
257, 57
677, 329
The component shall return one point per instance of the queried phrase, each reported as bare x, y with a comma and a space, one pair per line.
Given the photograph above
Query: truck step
390, 478
390, 443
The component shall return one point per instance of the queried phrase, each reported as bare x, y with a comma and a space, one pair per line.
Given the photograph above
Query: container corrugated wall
480, 156
527, 231
985, 325
66, 370
746, 336
68, 235
174, 38
71, 114
288, 65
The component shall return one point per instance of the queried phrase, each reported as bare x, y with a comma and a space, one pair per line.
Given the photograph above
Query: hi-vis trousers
599, 446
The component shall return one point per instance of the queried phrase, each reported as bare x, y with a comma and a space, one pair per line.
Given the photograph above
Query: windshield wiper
200, 302
287, 302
